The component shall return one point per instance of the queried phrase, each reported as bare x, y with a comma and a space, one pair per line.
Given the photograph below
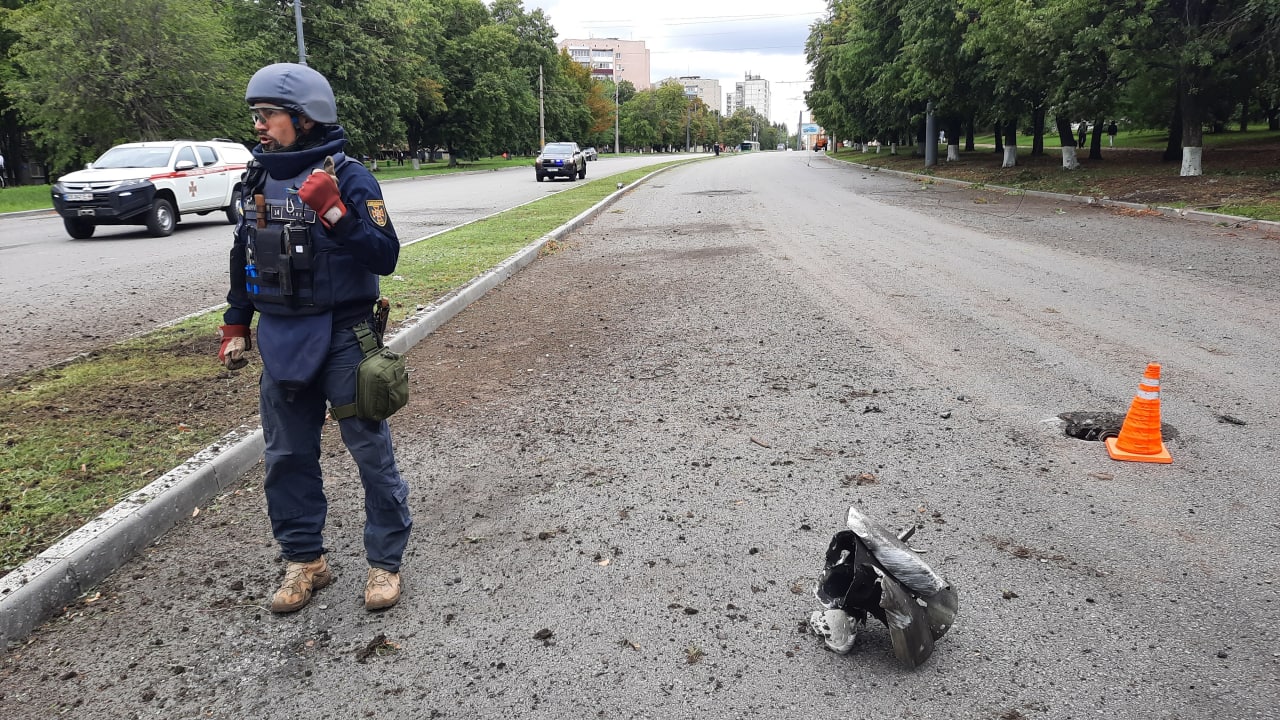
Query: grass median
79, 437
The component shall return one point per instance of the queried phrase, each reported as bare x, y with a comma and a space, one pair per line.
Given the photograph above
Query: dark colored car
560, 159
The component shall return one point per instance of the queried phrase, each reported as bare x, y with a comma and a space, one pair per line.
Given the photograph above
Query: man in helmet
306, 257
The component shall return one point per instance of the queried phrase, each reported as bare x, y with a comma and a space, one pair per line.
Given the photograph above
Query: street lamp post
302, 44
617, 111
689, 121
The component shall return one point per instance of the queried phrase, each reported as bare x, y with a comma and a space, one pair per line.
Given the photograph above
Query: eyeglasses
265, 113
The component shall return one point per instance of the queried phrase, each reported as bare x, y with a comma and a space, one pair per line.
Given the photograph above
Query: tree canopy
453, 74
1179, 65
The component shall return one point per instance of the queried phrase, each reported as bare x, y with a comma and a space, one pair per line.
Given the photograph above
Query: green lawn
26, 197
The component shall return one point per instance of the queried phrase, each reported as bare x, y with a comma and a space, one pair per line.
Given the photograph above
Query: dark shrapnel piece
870, 571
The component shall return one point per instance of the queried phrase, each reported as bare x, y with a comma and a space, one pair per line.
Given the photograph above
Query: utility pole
297, 20
688, 96
542, 119
799, 129
617, 111
930, 136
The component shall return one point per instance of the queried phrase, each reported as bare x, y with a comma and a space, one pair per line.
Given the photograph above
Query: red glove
320, 191
235, 340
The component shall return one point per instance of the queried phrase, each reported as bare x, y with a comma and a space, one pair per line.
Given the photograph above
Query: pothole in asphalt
718, 193
1095, 426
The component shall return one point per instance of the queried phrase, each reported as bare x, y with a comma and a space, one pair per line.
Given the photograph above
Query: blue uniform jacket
358, 248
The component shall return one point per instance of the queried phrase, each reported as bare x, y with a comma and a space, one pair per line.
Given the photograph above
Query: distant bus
749, 146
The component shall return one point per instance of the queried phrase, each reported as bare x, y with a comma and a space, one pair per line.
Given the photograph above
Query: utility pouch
298, 247
285, 276
382, 381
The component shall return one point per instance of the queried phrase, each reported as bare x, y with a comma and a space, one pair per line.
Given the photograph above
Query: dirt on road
627, 461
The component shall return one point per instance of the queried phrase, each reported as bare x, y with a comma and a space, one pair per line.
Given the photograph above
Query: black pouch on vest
382, 381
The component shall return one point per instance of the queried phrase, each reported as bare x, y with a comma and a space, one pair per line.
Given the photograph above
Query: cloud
766, 37
721, 39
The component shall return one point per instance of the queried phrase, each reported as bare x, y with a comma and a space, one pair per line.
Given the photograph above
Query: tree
1206, 45
937, 67
371, 52
471, 108
565, 91
91, 75
859, 90
640, 121
569, 113
11, 131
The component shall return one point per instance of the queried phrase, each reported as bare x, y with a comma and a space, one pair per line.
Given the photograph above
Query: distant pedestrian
1084, 133
1111, 133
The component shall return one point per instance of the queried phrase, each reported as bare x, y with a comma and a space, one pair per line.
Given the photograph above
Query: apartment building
611, 58
752, 92
707, 89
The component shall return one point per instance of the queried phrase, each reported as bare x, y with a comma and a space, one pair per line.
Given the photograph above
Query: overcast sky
719, 39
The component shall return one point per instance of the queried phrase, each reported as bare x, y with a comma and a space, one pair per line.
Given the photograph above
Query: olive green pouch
382, 381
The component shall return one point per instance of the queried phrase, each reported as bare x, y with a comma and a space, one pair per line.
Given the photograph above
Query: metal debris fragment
870, 571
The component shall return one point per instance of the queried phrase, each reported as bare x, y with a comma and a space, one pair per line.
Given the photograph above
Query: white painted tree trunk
953, 153
1191, 161
1069, 161
1010, 156
893, 148
877, 148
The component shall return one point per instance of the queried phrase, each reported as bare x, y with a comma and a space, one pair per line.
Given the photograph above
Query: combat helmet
296, 88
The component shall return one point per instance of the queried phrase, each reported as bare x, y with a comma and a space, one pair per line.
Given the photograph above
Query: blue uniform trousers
291, 424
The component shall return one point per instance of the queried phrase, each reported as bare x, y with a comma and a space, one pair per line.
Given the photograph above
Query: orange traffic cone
1140, 439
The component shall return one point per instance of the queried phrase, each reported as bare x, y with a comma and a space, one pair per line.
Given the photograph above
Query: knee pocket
385, 497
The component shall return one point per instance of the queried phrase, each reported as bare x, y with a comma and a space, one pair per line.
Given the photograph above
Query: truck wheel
541, 177
161, 218
573, 176
79, 229
233, 210
582, 175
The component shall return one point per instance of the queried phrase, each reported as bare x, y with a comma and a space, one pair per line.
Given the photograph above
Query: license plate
79, 197
86, 211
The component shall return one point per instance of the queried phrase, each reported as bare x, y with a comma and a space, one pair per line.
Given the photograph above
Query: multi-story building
707, 89
753, 92
612, 59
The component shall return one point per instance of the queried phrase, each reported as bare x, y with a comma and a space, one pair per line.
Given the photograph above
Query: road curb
1178, 213
26, 213
74, 565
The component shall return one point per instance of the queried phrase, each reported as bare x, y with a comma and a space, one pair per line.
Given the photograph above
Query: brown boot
382, 590
300, 579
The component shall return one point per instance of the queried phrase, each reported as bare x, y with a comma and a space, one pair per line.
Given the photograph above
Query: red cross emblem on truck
193, 188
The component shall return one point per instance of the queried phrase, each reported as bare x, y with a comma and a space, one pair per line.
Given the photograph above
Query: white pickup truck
152, 184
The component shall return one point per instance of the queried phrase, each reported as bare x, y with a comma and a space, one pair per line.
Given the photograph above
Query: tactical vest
293, 266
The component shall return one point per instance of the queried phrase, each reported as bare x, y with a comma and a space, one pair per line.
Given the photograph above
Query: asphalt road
63, 296
628, 459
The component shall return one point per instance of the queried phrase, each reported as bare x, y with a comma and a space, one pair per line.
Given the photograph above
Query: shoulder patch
377, 212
